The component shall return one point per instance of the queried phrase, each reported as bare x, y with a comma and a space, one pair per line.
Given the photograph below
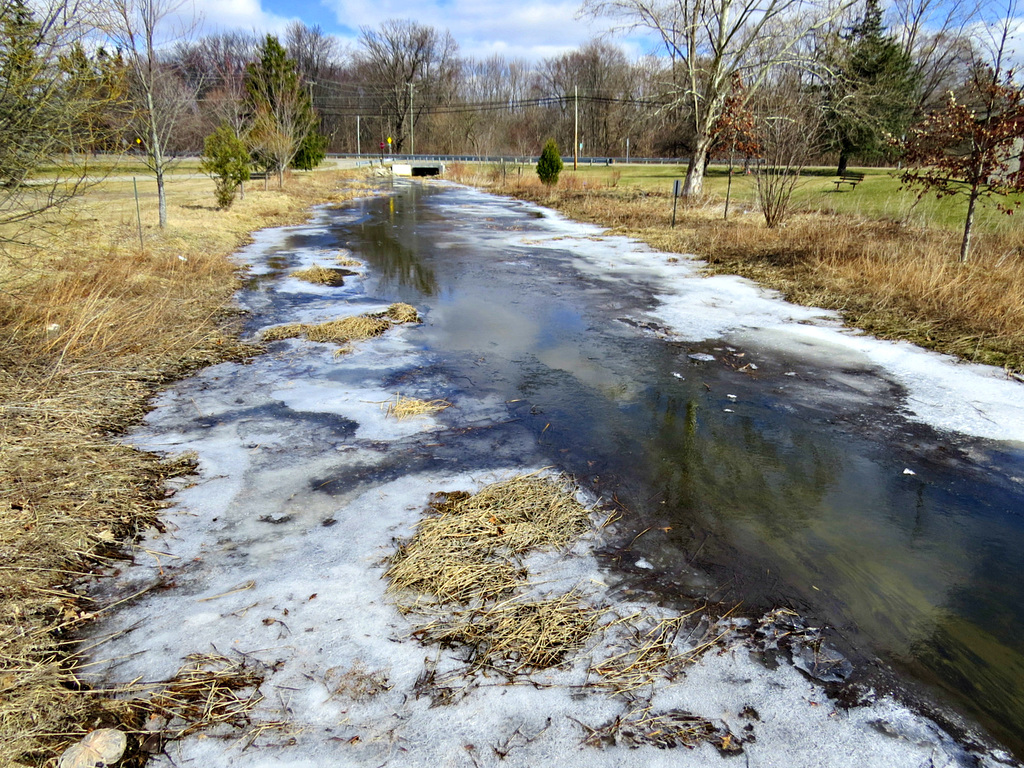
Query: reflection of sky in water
791, 491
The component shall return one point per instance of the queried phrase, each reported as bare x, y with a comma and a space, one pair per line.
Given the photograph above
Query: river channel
747, 469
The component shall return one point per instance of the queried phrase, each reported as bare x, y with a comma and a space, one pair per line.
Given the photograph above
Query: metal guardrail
367, 158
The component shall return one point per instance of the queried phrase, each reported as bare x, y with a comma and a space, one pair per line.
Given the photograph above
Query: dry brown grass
465, 558
891, 278
321, 275
90, 325
345, 330
343, 259
403, 407
516, 635
665, 730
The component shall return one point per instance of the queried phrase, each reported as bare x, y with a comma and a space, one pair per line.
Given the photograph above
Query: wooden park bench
853, 178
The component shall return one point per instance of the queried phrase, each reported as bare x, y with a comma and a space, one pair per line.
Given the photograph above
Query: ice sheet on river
272, 556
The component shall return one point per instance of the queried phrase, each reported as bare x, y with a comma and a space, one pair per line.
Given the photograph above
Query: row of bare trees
846, 76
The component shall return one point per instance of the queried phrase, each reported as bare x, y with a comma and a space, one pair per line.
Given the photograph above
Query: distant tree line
847, 79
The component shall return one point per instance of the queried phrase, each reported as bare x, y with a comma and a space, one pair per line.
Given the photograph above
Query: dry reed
665, 730
652, 650
516, 635
465, 558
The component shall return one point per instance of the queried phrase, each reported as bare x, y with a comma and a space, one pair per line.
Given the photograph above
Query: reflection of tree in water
728, 468
979, 671
391, 245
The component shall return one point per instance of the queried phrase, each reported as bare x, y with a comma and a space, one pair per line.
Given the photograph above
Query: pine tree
870, 95
550, 163
282, 118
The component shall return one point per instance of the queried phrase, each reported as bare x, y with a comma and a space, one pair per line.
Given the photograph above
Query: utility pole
412, 124
358, 150
576, 129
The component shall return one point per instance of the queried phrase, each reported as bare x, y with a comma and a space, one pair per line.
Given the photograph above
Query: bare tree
710, 41
786, 128
214, 68
409, 67
935, 34
136, 27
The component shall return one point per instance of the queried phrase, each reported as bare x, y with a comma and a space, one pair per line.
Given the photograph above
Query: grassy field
878, 197
92, 323
886, 262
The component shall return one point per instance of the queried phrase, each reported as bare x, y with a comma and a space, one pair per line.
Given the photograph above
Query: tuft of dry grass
465, 558
321, 275
664, 730
652, 649
91, 325
343, 259
402, 313
403, 407
467, 548
346, 329
517, 634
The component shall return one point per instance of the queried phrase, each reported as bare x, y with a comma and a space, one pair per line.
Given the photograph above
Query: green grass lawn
877, 197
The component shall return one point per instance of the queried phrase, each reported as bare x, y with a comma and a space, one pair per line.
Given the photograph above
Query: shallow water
781, 483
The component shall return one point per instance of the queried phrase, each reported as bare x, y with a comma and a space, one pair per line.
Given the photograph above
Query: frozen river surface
759, 455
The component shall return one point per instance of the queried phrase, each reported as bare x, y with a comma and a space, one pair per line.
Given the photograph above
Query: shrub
550, 163
226, 159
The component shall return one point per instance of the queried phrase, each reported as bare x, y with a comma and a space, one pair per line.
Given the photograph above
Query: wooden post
676, 187
138, 213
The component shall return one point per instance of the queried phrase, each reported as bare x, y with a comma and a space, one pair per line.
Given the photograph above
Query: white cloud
533, 29
245, 15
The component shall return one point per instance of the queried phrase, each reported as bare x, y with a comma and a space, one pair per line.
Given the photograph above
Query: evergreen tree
282, 118
871, 93
226, 159
550, 163
311, 152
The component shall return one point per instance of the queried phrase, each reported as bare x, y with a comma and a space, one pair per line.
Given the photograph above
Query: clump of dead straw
403, 407
321, 275
469, 547
345, 329
653, 649
665, 730
518, 634
465, 559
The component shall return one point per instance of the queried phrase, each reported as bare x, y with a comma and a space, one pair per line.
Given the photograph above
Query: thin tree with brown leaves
972, 146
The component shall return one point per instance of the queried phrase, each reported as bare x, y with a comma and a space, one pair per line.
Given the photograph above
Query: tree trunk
280, 177
693, 186
158, 159
844, 161
965, 245
161, 196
